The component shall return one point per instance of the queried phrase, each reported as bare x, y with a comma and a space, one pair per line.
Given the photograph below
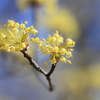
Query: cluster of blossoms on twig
56, 47
17, 37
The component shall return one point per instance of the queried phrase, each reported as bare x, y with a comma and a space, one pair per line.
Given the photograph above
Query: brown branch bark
48, 76
39, 69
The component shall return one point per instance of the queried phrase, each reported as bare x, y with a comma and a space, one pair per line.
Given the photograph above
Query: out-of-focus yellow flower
57, 18
17, 37
55, 47
64, 22
82, 78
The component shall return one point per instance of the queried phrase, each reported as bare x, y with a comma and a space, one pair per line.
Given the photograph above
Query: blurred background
76, 19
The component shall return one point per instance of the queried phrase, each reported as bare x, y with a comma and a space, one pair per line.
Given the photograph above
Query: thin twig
33, 63
38, 68
48, 76
51, 70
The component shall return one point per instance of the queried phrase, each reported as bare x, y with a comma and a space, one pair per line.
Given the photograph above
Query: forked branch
39, 69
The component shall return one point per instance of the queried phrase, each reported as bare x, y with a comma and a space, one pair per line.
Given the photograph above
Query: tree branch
51, 70
48, 75
38, 68
33, 63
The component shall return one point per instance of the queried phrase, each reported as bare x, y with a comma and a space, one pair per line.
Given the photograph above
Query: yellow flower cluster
17, 37
56, 47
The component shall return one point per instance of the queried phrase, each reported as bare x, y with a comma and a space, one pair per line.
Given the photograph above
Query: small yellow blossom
2, 36
68, 54
17, 37
22, 26
16, 25
53, 61
63, 59
46, 63
63, 51
70, 43
33, 31
71, 49
11, 23
56, 47
69, 61
36, 40
26, 22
